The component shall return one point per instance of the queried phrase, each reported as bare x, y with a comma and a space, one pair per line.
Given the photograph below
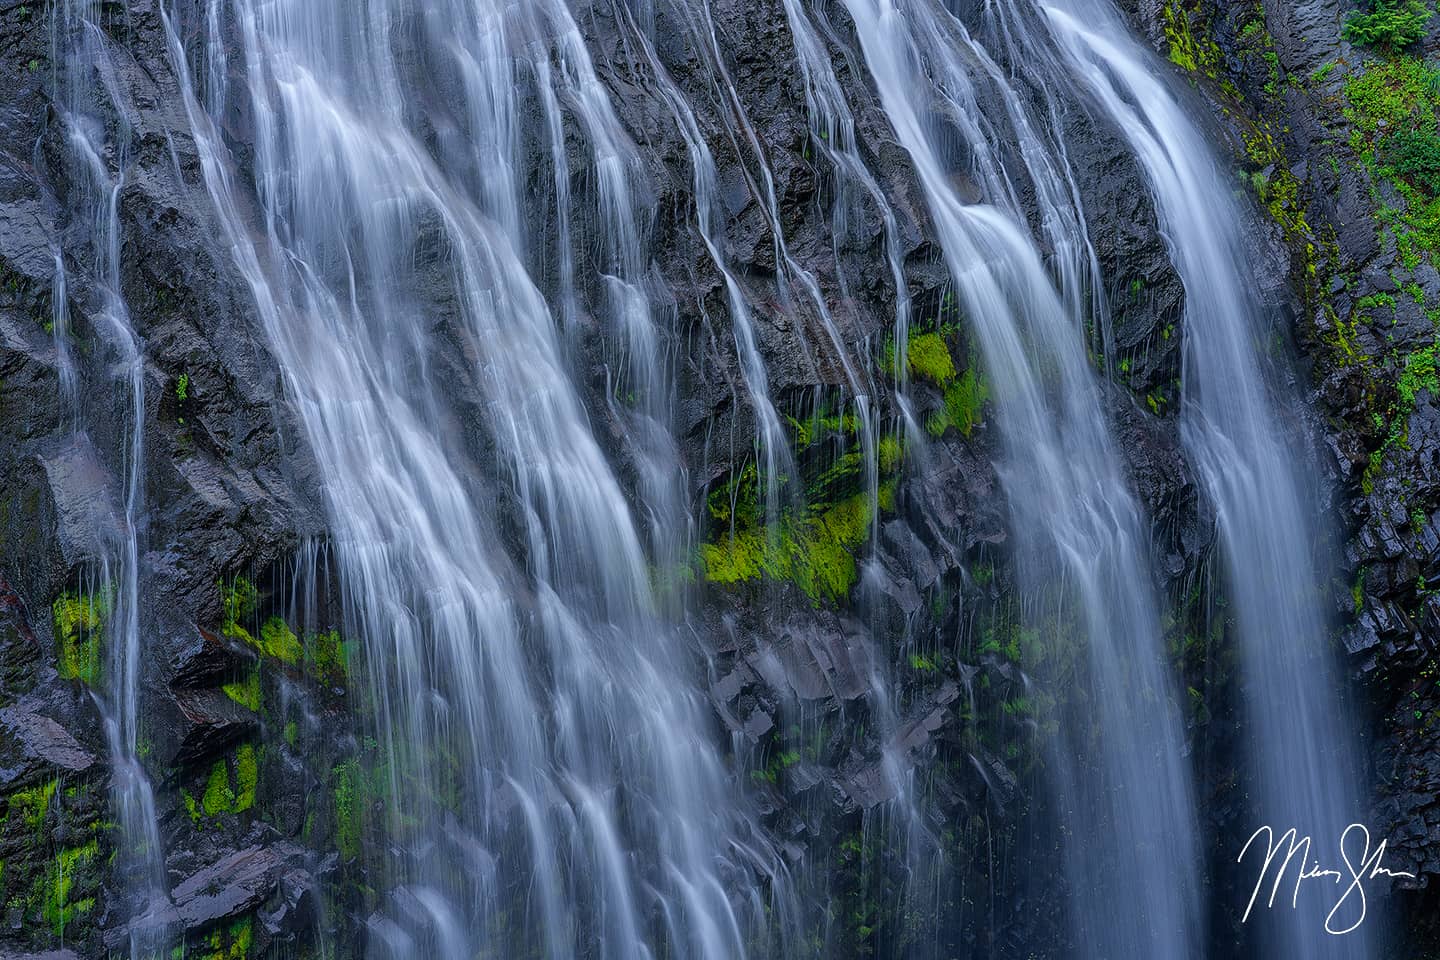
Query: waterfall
541, 682
1126, 793
445, 219
87, 89
1306, 766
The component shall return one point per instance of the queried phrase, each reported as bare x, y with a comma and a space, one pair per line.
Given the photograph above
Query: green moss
278, 641
245, 692
232, 943
815, 552
79, 620
1279, 191
347, 788
192, 807
224, 794
1189, 46
219, 795
247, 775
33, 805
929, 358
1418, 375
56, 906
292, 733
1394, 108
737, 499
965, 401
890, 452
328, 657
238, 599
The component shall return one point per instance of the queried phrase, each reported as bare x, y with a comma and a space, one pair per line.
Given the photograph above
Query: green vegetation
779, 763
964, 405
222, 793
58, 909
279, 642
929, 358
812, 543
182, 387
1417, 374
79, 620
247, 777
33, 805
219, 794
815, 550
232, 943
328, 657
1190, 46
1394, 107
1394, 24
238, 599
347, 788
245, 692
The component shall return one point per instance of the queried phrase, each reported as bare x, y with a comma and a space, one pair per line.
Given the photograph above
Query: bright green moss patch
231, 943
890, 453
219, 794
964, 405
278, 641
33, 805
815, 552
239, 600
348, 786
247, 776
79, 620
58, 909
1418, 375
1394, 106
328, 657
245, 692
1189, 45
224, 793
929, 358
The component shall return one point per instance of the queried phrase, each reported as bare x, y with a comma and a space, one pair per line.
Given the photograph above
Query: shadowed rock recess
535, 479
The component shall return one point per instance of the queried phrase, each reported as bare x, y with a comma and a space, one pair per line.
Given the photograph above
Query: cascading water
420, 195
88, 89
545, 690
1306, 765
1128, 802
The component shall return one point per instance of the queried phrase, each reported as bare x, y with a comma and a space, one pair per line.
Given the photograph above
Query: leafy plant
1415, 155
1389, 23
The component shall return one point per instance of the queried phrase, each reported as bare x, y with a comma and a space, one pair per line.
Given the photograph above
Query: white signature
1367, 867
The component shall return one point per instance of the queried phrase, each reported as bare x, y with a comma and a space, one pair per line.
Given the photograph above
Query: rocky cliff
254, 695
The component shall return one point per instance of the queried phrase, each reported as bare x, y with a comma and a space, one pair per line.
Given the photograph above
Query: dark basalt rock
230, 487
209, 722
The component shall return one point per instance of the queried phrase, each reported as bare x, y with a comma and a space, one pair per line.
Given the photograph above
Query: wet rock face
1311, 118
261, 774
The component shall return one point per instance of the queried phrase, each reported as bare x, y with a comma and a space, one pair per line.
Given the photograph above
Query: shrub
1390, 23
1415, 155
